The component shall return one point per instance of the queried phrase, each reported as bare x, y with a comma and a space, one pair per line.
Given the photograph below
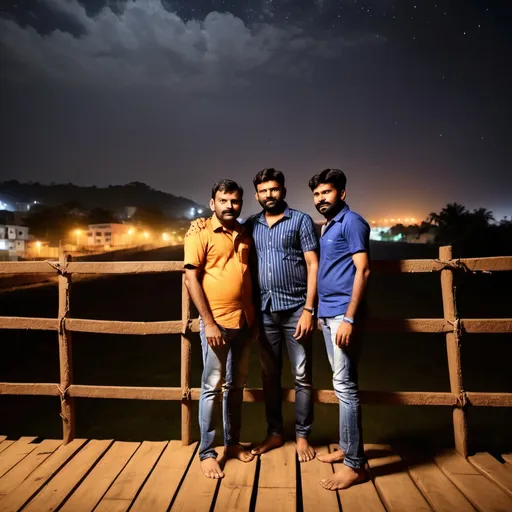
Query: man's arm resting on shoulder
196, 226
305, 324
361, 277
212, 331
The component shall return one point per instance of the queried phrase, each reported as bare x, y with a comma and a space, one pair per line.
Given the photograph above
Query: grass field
401, 362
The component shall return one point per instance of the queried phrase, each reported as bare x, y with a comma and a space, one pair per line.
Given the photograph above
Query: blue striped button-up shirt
282, 271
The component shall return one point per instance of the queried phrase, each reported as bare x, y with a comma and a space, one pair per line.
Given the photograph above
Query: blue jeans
225, 371
276, 329
344, 379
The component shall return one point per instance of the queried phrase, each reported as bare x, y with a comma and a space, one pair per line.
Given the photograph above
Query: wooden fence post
454, 358
186, 351
67, 403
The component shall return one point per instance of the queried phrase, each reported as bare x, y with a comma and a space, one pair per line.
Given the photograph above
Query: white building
109, 234
13, 239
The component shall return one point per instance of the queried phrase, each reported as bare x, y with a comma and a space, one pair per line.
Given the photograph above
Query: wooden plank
314, 496
161, 486
22, 470
122, 492
16, 452
97, 482
27, 267
362, 497
124, 392
460, 427
2, 438
59, 487
5, 444
236, 487
197, 492
186, 366
441, 494
67, 404
40, 324
507, 457
118, 327
490, 399
277, 481
481, 492
38, 478
28, 388
124, 267
494, 470
395, 487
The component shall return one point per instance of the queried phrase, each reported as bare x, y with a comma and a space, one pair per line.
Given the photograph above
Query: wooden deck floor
105, 475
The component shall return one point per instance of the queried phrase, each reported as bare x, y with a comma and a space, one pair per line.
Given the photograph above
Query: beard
272, 205
329, 210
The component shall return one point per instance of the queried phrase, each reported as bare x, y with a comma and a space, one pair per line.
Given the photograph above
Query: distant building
109, 234
13, 239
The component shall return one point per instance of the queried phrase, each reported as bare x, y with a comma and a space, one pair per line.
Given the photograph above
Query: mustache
323, 203
228, 211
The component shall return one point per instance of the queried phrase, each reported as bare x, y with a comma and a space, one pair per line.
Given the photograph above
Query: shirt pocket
289, 241
333, 248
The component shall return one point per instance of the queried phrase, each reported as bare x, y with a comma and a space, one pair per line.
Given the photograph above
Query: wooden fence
458, 398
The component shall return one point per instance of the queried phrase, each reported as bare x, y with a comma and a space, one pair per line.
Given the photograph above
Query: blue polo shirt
346, 234
282, 270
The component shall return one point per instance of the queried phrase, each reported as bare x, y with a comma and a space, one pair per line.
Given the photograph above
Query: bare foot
337, 456
211, 469
344, 478
271, 442
238, 452
305, 451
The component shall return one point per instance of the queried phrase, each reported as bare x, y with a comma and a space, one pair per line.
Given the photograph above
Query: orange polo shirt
223, 257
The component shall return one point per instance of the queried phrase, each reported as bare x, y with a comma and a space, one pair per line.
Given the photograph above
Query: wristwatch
309, 310
348, 320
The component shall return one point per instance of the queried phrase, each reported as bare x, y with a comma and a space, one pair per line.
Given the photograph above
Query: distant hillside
112, 197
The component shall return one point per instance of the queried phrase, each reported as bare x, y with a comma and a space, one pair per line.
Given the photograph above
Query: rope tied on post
457, 328
462, 400
63, 393
61, 269
186, 394
457, 264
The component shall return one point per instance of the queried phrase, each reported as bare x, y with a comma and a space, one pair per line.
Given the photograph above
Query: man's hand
305, 325
344, 334
213, 335
196, 226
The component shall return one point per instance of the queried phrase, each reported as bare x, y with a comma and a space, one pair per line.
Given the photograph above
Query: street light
78, 232
38, 245
146, 235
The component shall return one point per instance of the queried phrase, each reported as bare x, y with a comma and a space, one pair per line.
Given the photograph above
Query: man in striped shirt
286, 248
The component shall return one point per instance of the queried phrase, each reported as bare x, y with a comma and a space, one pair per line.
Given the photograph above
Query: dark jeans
276, 330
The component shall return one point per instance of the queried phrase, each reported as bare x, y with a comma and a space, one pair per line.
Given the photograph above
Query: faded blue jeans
276, 330
344, 379
225, 371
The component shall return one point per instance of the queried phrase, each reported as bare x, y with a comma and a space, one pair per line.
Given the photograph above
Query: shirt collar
337, 218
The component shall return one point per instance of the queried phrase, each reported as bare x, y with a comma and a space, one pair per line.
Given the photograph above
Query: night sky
411, 98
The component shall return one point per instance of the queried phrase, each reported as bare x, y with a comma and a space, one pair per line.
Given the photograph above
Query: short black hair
268, 174
227, 186
335, 177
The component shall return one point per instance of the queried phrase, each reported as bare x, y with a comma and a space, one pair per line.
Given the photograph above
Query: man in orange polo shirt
218, 280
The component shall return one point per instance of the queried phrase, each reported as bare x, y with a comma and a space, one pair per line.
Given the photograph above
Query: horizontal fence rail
417, 325
451, 326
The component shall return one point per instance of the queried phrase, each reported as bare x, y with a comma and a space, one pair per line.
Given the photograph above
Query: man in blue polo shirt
343, 275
